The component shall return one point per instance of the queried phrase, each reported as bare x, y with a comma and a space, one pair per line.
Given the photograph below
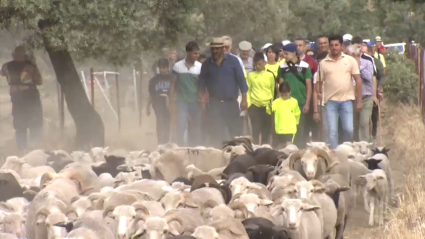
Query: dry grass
404, 133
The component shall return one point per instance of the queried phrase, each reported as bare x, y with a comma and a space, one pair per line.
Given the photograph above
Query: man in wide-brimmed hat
222, 76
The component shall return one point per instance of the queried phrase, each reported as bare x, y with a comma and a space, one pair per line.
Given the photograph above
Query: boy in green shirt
286, 116
261, 88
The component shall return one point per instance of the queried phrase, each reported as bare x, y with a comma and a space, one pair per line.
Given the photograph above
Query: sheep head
241, 184
176, 199
125, 216
293, 210
51, 218
81, 205
159, 227
362, 147
98, 153
381, 150
310, 160
373, 163
81, 157
13, 163
13, 223
205, 232
240, 211
320, 145
305, 189
230, 152
373, 178
251, 201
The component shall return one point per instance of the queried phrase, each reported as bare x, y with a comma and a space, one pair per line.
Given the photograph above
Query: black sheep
259, 173
112, 162
381, 150
57, 161
239, 164
9, 187
208, 181
259, 228
270, 157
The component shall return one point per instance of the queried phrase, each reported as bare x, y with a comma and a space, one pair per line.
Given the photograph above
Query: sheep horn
95, 196
70, 210
323, 154
108, 210
173, 217
7, 205
223, 225
145, 212
239, 206
236, 196
316, 183
46, 178
294, 157
42, 212
209, 204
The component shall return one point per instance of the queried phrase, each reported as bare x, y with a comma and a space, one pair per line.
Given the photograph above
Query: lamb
300, 219
377, 191
358, 169
363, 147
313, 193
316, 162
381, 161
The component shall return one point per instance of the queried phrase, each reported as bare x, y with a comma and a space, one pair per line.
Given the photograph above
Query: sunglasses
227, 47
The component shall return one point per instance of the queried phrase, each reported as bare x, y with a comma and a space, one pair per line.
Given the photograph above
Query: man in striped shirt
366, 74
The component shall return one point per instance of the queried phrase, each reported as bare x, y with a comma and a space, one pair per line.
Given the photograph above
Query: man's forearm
309, 92
358, 88
374, 86
244, 97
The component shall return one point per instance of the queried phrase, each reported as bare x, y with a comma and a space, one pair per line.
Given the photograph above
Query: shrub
401, 84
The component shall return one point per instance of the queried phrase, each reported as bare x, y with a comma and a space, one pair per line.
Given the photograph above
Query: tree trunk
90, 130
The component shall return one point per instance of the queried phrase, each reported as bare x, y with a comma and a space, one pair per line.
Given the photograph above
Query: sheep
7, 236
17, 204
162, 148
284, 179
313, 193
88, 228
81, 205
126, 178
343, 197
110, 166
81, 157
124, 216
377, 191
300, 219
381, 161
243, 185
173, 163
258, 228
320, 145
51, 219
155, 189
159, 227
254, 204
259, 173
270, 157
25, 170
194, 171
289, 149
381, 150
347, 149
244, 141
208, 181
9, 186
181, 237
13, 223
221, 229
36, 158
357, 169
98, 153
58, 159
316, 162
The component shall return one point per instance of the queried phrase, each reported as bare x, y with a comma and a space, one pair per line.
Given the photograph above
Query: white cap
347, 37
266, 46
285, 42
378, 39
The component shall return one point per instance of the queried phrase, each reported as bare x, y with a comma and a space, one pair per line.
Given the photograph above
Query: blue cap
290, 47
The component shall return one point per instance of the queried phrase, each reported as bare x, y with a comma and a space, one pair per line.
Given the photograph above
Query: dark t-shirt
15, 70
159, 84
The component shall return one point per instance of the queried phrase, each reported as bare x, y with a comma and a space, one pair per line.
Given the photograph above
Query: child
159, 91
286, 116
261, 89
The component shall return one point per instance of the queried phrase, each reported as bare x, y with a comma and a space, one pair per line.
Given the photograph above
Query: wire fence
417, 54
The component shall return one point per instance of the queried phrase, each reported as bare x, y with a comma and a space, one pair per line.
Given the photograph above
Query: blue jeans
225, 121
343, 110
184, 111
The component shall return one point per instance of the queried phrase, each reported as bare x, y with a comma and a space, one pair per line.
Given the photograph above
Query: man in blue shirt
223, 77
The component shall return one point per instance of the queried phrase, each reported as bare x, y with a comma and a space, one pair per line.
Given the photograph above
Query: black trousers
261, 124
280, 140
375, 119
302, 130
162, 122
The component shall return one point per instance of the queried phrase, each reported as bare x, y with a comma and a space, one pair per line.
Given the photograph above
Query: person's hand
306, 108
316, 117
243, 105
319, 95
359, 105
375, 100
148, 111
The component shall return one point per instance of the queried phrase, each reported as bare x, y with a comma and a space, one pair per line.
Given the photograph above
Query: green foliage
401, 85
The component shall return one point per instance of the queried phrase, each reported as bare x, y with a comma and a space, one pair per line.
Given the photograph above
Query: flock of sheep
241, 191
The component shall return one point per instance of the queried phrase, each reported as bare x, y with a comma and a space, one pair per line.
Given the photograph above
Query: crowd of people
283, 93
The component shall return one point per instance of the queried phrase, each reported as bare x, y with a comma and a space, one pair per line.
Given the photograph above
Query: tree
113, 30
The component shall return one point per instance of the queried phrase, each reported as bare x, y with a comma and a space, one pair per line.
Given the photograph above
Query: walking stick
380, 125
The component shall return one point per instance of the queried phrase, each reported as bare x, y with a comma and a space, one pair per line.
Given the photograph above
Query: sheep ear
385, 150
344, 188
380, 177
308, 207
68, 226
319, 189
266, 202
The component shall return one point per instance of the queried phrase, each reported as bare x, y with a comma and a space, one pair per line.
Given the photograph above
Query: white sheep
377, 191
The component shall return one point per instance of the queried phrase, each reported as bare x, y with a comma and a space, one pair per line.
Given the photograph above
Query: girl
261, 88
286, 116
159, 92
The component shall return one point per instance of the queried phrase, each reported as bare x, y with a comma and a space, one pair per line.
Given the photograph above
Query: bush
401, 84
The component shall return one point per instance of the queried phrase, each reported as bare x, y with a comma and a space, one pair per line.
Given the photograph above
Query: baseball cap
245, 46
285, 42
347, 37
266, 46
291, 47
378, 38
